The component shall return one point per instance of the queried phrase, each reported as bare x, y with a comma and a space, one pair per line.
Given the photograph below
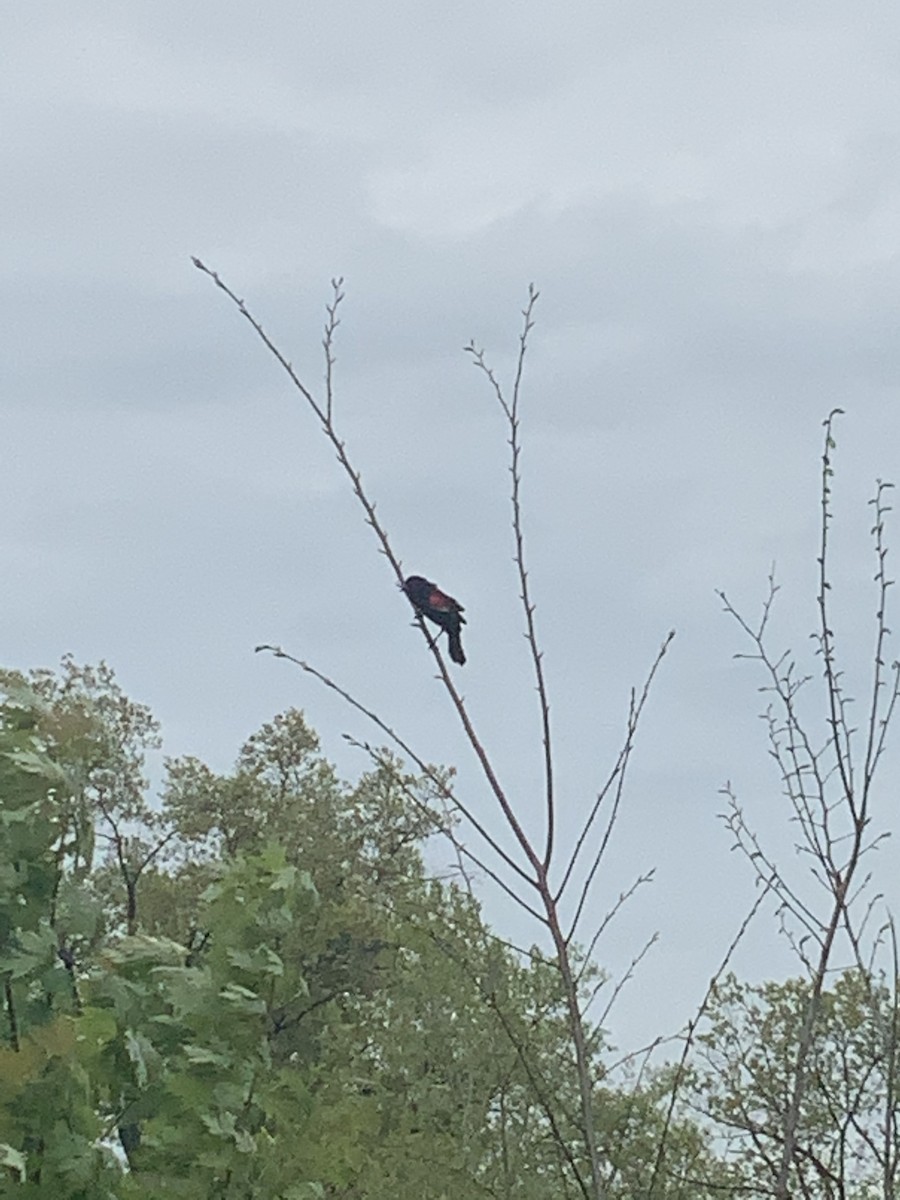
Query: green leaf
96, 1026
14, 1159
37, 763
219, 1124
141, 1051
203, 1054
35, 950
284, 879
261, 959
244, 1141
243, 999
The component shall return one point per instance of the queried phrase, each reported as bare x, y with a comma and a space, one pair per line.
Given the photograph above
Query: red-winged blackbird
428, 599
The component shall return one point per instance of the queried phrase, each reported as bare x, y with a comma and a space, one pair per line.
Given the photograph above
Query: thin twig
328, 344
617, 775
621, 900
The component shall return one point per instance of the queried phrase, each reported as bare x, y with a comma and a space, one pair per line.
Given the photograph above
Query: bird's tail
455, 647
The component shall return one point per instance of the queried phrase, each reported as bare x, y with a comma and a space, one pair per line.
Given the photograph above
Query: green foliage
253, 989
50, 1128
191, 1075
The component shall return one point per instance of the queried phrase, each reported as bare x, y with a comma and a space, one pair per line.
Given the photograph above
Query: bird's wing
440, 600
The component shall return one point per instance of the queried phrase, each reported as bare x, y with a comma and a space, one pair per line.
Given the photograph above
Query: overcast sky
707, 196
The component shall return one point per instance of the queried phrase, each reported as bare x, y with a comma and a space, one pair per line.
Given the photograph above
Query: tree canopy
251, 986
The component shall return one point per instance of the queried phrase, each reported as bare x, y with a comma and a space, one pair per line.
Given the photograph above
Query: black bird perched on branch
428, 599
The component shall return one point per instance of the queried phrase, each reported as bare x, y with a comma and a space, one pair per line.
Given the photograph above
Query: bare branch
837, 719
617, 778
626, 978
511, 412
328, 343
623, 897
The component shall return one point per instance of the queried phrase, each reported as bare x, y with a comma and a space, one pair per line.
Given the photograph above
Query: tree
542, 879
846, 1134
797, 1079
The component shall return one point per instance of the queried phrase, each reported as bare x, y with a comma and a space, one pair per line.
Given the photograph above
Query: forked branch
511, 412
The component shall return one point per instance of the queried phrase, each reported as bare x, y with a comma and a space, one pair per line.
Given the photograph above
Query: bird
428, 600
